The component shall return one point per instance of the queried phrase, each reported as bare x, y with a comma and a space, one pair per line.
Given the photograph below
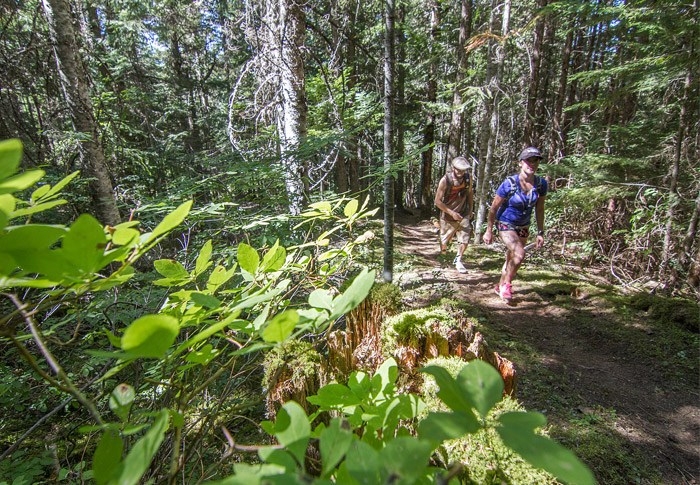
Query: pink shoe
505, 291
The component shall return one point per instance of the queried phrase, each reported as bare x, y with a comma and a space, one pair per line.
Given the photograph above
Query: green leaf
171, 221
123, 236
220, 276
333, 396
529, 421
275, 456
107, 456
27, 211
382, 383
208, 332
248, 258
139, 458
8, 202
323, 206
84, 245
121, 399
57, 188
171, 269
406, 457
360, 385
280, 327
292, 429
350, 208
203, 259
250, 474
450, 392
438, 427
30, 237
482, 383
202, 356
10, 156
274, 259
7, 264
321, 299
334, 442
150, 336
39, 193
363, 463
204, 300
542, 452
21, 181
355, 294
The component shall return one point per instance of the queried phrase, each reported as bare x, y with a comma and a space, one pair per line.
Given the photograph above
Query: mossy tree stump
294, 372
416, 336
373, 333
358, 347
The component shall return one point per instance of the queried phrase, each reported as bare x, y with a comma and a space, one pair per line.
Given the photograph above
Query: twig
53, 363
19, 441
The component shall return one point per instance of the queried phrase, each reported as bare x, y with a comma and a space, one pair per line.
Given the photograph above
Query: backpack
515, 186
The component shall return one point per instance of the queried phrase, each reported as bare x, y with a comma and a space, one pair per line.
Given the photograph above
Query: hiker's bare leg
514, 255
447, 232
460, 250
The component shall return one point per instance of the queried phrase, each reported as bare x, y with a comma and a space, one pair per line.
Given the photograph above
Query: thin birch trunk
292, 23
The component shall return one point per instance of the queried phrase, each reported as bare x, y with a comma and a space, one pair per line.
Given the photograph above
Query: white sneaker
460, 267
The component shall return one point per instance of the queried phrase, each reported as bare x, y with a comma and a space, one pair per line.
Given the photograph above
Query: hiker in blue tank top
512, 210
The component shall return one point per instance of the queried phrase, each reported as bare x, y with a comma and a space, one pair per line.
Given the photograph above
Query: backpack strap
448, 189
539, 185
515, 185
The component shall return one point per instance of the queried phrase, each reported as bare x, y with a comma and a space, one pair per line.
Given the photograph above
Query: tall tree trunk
691, 233
543, 103
456, 128
388, 141
400, 111
535, 77
426, 200
557, 140
74, 83
496, 59
353, 142
339, 19
673, 176
292, 115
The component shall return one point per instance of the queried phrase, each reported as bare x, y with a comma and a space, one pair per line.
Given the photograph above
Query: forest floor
618, 380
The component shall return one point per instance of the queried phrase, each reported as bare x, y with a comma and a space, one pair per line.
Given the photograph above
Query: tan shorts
461, 230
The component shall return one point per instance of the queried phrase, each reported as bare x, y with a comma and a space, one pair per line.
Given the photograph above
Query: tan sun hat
460, 163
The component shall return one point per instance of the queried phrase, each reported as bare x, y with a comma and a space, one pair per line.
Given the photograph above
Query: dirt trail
654, 417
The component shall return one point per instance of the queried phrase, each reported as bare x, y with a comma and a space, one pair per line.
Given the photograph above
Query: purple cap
530, 152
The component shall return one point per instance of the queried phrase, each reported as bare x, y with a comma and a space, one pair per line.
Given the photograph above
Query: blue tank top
517, 209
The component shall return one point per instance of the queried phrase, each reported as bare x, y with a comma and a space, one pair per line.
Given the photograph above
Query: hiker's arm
439, 195
491, 218
539, 217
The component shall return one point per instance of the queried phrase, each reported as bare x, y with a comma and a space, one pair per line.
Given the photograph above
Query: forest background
253, 111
